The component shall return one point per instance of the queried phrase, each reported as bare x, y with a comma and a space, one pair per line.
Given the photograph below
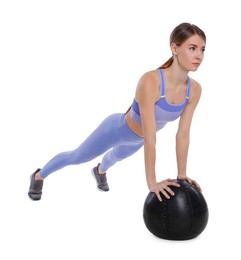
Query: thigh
104, 137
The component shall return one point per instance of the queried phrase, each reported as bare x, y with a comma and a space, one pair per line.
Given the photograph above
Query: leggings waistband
126, 132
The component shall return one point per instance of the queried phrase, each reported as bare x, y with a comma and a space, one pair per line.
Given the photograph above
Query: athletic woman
162, 95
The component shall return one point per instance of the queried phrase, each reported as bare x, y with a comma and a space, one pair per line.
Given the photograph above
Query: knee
119, 155
75, 159
78, 158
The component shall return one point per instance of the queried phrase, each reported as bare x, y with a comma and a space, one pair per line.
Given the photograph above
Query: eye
192, 48
203, 50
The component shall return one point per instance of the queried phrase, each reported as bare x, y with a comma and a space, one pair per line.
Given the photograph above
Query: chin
193, 69
190, 68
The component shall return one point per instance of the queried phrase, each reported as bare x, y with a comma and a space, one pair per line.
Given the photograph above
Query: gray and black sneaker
36, 186
100, 179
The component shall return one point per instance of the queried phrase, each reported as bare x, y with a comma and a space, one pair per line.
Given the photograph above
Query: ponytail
167, 64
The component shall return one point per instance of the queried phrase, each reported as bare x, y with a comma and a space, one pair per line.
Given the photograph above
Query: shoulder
196, 90
148, 84
149, 78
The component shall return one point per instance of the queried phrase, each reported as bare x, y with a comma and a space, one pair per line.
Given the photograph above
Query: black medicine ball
183, 216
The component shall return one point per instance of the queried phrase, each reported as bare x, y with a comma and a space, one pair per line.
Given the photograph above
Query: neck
176, 75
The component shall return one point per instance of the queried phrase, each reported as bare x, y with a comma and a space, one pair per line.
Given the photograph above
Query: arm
147, 95
183, 133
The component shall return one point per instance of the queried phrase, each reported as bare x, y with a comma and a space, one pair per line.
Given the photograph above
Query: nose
199, 55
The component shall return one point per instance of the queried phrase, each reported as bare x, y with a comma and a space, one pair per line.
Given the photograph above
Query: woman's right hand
164, 188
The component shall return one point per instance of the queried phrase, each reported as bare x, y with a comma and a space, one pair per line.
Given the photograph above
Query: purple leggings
113, 133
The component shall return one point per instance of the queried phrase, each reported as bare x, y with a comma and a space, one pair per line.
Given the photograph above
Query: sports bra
164, 111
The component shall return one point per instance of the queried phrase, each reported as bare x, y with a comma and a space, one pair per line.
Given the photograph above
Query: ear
173, 48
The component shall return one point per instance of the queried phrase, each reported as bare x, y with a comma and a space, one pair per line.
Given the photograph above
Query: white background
64, 67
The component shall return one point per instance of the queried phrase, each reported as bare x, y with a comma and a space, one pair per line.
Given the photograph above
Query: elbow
150, 141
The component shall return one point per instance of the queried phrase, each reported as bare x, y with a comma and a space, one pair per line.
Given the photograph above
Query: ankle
100, 171
38, 176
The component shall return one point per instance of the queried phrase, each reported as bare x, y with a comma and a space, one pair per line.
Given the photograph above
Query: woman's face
190, 53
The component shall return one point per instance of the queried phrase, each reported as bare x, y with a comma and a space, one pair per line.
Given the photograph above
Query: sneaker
36, 186
100, 179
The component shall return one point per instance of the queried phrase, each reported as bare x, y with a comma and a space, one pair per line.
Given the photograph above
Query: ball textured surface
183, 216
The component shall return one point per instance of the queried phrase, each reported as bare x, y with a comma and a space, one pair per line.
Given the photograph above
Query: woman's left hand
191, 181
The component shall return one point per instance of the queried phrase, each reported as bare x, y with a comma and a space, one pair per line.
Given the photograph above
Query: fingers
197, 185
191, 181
194, 182
158, 195
174, 184
166, 191
161, 190
163, 187
170, 191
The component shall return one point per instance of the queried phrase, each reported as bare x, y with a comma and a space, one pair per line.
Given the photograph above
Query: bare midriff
135, 127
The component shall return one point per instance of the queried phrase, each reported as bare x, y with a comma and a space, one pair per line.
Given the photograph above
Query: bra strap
188, 88
163, 90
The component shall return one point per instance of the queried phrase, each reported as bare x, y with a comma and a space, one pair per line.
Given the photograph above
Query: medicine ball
183, 216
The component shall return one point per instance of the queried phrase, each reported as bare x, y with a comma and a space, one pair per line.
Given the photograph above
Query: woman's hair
180, 34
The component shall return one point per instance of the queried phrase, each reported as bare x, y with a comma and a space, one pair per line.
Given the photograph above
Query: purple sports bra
164, 111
